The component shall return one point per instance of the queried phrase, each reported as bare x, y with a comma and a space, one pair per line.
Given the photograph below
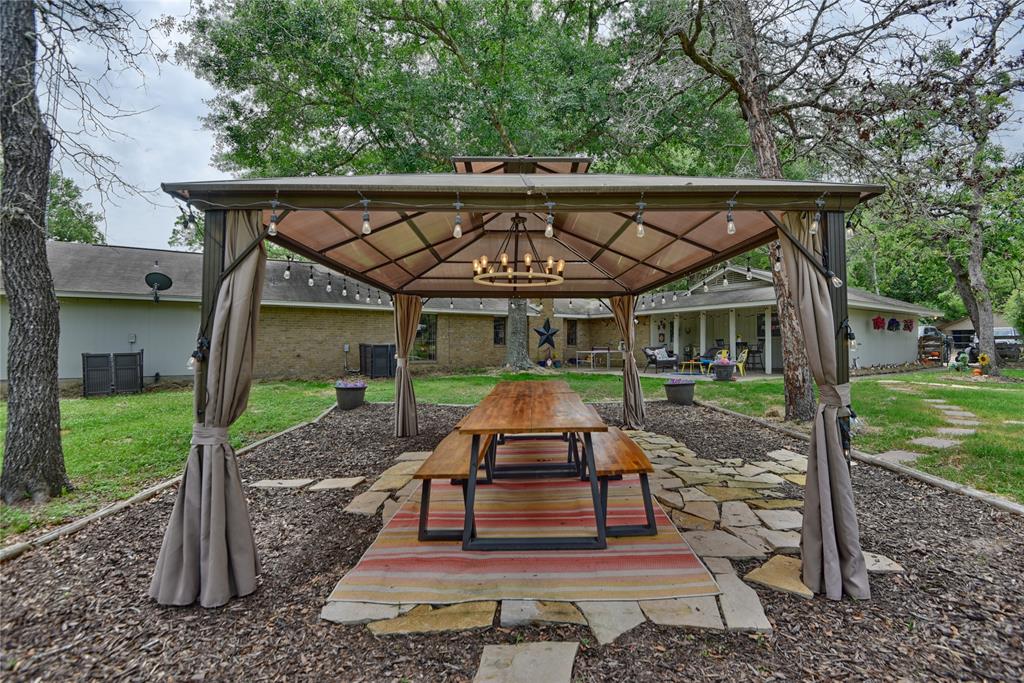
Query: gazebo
502, 227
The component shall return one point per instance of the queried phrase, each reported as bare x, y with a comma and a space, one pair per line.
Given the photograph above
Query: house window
499, 331
425, 347
570, 332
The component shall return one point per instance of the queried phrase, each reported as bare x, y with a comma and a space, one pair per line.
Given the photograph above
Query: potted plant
350, 393
723, 368
679, 390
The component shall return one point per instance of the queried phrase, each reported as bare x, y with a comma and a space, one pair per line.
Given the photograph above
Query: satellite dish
158, 282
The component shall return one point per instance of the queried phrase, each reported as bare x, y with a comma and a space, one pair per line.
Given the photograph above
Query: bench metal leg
469, 522
425, 534
648, 529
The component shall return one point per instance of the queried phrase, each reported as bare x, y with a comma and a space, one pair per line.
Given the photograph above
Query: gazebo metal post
834, 248
214, 230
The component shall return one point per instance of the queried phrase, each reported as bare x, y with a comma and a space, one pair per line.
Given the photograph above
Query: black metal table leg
648, 529
469, 522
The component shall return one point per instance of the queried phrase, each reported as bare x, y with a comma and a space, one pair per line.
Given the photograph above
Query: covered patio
513, 228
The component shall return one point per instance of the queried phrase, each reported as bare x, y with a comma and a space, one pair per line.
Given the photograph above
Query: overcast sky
168, 142
165, 143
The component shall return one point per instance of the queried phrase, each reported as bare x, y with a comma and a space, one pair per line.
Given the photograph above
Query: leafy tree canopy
68, 217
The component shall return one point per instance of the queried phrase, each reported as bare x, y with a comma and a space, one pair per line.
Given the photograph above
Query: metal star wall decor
546, 333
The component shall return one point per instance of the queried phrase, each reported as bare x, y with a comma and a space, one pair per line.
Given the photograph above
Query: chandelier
512, 268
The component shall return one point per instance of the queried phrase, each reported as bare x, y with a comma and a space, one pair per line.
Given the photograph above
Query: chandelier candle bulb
504, 259
527, 259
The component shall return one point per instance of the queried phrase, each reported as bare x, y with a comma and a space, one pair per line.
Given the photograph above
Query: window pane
499, 331
425, 347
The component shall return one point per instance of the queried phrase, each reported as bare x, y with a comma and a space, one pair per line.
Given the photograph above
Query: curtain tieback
400, 362
209, 436
835, 395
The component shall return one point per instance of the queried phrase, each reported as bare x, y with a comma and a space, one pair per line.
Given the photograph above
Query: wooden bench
615, 454
450, 460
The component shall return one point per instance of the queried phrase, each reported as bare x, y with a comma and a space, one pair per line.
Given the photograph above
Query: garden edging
9, 552
984, 496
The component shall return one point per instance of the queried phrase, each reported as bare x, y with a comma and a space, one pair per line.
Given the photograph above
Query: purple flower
680, 380
347, 384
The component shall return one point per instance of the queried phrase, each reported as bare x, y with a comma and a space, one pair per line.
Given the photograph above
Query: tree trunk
796, 373
517, 342
33, 462
973, 287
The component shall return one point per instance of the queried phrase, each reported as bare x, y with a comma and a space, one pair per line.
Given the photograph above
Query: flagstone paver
736, 462
688, 522
737, 513
781, 573
337, 483
693, 494
900, 456
281, 483
783, 454
524, 612
718, 543
765, 478
936, 401
775, 467
719, 565
391, 482
527, 663
390, 508
405, 467
781, 520
740, 605
701, 612
956, 431
776, 504
880, 564
344, 612
407, 490
966, 414
749, 535
722, 493
798, 479
610, 619
424, 619
692, 478
963, 423
780, 541
670, 499
704, 509
413, 455
934, 442
367, 503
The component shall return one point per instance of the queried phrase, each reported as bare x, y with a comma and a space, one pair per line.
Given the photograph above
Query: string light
570, 303
816, 222
730, 220
750, 273
451, 304
725, 279
705, 285
287, 275
549, 228
778, 263
837, 281
329, 285
366, 216
849, 228
481, 303
457, 231
640, 206
675, 296
272, 228
344, 287
357, 292
378, 298
310, 280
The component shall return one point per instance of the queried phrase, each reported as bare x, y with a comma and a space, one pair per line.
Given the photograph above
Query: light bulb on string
640, 206
663, 299
329, 285
190, 364
344, 287
837, 281
287, 275
481, 303
849, 228
451, 304
272, 228
357, 293
549, 227
750, 273
730, 219
778, 263
725, 280
457, 231
675, 296
366, 216
378, 298
310, 280
816, 221
705, 285
570, 303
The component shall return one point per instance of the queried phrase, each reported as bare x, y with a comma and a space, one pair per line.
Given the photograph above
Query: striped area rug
398, 568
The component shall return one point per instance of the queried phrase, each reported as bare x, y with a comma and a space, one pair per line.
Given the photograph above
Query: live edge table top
540, 408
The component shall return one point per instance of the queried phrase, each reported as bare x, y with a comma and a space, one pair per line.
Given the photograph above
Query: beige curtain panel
830, 541
407, 320
208, 552
634, 415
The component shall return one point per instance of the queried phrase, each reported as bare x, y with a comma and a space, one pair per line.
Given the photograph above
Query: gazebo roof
411, 249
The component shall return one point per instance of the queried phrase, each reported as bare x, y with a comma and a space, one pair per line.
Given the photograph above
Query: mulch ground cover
78, 609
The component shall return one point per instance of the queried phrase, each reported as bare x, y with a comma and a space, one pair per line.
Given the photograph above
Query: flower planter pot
723, 373
349, 397
680, 392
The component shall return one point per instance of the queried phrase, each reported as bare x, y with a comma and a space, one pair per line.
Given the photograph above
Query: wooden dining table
531, 408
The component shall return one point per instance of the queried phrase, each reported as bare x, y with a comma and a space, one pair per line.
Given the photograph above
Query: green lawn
992, 459
114, 447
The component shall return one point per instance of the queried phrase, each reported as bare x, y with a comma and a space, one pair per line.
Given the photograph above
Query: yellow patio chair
741, 362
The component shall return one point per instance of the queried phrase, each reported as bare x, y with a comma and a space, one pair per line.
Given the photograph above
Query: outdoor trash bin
680, 391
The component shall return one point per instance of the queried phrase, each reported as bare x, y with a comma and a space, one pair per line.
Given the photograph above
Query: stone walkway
727, 509
964, 423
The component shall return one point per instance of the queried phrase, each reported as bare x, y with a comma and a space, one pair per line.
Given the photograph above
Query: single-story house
962, 330
315, 330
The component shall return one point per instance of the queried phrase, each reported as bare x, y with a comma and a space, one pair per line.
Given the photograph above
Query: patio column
407, 320
732, 333
768, 340
703, 332
832, 562
633, 413
208, 552
675, 334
